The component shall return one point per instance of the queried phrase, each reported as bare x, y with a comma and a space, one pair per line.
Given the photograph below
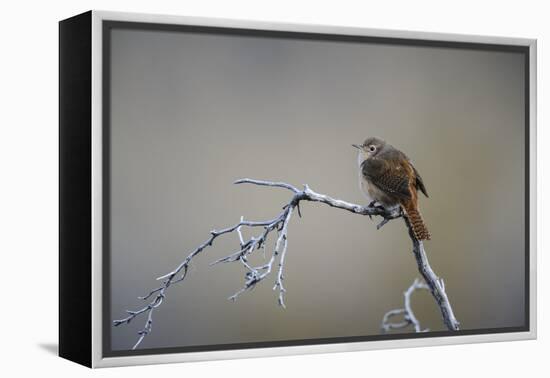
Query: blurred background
191, 113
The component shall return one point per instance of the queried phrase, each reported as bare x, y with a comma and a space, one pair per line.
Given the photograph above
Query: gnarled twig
279, 225
408, 315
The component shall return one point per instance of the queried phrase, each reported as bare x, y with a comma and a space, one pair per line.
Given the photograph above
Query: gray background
190, 113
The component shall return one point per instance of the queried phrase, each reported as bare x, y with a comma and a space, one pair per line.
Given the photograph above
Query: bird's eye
372, 148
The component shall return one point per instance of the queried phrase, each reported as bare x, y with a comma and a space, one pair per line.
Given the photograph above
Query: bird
388, 177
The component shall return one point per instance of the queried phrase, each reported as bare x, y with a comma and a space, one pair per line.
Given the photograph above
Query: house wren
387, 176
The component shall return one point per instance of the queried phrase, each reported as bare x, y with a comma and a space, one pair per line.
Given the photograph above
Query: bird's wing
419, 182
391, 176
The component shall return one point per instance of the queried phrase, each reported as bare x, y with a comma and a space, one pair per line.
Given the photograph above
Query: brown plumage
388, 177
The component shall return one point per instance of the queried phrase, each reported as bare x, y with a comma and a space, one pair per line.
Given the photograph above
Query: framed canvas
235, 189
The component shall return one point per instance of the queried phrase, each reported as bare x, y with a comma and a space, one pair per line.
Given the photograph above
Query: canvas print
276, 189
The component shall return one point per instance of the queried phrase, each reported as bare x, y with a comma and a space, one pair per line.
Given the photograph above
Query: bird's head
370, 147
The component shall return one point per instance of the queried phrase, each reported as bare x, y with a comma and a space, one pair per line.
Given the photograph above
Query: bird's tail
415, 219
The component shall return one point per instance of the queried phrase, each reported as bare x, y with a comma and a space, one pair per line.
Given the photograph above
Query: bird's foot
376, 205
372, 204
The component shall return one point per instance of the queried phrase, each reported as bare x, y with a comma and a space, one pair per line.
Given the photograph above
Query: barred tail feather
417, 223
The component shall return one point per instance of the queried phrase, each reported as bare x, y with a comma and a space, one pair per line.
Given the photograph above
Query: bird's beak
356, 146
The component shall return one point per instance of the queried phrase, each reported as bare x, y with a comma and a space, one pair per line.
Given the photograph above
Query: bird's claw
373, 205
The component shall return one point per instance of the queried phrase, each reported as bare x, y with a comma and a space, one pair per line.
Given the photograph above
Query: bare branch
268, 183
407, 312
256, 274
279, 225
436, 285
